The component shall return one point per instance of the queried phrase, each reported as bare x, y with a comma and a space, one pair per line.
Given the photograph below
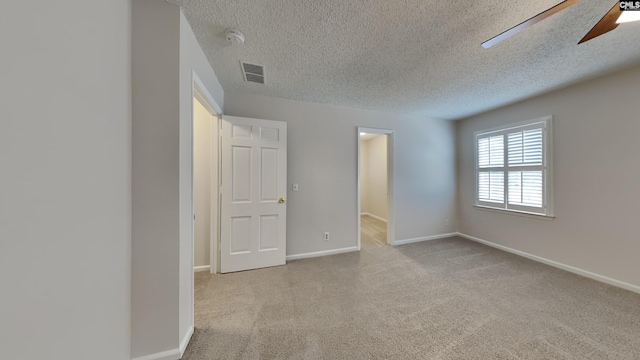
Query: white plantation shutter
511, 169
525, 188
525, 147
491, 158
484, 186
496, 191
491, 186
491, 151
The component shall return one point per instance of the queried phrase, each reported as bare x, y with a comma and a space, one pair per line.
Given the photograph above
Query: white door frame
201, 93
391, 214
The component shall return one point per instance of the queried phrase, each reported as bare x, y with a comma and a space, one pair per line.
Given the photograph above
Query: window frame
548, 209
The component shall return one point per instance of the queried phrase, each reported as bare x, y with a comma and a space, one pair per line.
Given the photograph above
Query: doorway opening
203, 122
205, 162
375, 187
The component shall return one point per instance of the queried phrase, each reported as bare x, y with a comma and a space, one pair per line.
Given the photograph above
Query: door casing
391, 222
201, 93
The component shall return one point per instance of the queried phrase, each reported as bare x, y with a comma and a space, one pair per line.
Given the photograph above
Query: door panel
242, 131
269, 134
254, 171
240, 235
268, 232
269, 174
241, 171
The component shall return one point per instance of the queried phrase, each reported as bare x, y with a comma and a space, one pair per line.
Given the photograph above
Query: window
513, 168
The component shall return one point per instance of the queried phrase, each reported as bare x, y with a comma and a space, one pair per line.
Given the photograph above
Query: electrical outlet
446, 222
326, 236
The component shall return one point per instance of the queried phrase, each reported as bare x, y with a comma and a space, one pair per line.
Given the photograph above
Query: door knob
281, 201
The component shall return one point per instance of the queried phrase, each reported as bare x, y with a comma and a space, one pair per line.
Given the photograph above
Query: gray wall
192, 60
165, 54
155, 177
596, 174
65, 179
322, 158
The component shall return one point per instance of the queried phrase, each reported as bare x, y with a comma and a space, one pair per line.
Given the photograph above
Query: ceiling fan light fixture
628, 16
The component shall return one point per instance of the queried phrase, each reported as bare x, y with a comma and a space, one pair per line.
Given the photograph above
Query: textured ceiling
407, 56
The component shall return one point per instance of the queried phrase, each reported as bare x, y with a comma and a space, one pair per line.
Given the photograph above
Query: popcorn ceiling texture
420, 57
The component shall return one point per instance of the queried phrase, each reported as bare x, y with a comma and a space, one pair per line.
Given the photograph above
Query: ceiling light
363, 134
629, 16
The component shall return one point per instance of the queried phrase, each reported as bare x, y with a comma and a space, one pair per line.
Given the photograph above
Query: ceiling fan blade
528, 23
606, 24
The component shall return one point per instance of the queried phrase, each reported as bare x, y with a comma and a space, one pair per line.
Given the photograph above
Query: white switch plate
295, 187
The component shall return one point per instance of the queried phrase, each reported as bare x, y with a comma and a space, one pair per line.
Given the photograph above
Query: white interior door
254, 187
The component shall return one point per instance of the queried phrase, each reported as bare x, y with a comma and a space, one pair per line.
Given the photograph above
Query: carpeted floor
443, 299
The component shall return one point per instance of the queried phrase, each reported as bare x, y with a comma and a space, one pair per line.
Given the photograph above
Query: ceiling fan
610, 21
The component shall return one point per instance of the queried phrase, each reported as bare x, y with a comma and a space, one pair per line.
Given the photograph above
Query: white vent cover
253, 73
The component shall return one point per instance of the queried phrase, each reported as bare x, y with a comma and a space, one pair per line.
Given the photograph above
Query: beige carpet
443, 299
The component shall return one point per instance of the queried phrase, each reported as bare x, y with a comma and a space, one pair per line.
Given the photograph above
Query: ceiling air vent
253, 73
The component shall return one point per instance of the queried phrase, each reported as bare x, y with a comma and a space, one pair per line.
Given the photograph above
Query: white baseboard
185, 341
165, 355
426, 238
321, 253
569, 268
202, 268
374, 216
174, 354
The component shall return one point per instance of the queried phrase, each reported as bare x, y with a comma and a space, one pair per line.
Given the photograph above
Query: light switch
295, 187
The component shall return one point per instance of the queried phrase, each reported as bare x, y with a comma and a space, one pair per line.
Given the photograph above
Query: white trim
322, 253
512, 126
373, 216
201, 93
165, 355
213, 195
546, 124
425, 238
215, 241
391, 223
201, 268
358, 190
569, 268
515, 212
185, 341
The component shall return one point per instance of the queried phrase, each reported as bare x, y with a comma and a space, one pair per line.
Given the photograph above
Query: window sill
516, 213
